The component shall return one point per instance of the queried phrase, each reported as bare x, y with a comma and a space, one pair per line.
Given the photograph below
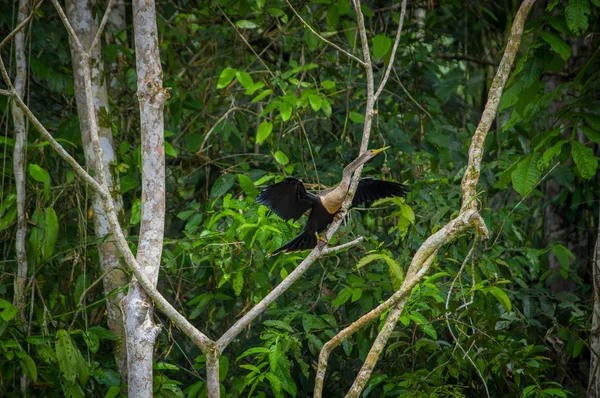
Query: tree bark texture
594, 378
85, 26
140, 326
19, 160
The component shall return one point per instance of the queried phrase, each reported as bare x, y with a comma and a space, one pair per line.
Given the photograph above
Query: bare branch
102, 25
70, 30
394, 49
467, 218
21, 25
341, 247
471, 177
332, 44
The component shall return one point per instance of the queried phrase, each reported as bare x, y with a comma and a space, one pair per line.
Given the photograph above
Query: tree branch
467, 218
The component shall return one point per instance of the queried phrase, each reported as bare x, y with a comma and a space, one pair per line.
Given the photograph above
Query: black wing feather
288, 198
369, 190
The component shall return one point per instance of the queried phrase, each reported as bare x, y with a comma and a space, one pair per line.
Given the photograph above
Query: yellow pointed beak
376, 151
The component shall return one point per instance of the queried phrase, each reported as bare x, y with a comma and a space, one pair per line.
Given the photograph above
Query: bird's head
374, 152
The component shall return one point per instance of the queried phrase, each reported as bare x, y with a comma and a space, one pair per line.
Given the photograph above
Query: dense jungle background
256, 96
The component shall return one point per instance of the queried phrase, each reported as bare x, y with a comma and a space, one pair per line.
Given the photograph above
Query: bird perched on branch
290, 200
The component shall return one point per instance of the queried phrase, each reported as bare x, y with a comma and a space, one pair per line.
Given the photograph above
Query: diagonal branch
467, 218
21, 25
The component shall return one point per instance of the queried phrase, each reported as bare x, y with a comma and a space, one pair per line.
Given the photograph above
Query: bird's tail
304, 241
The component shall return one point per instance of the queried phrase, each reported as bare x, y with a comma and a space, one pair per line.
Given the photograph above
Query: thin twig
338, 248
70, 30
332, 44
102, 25
390, 65
21, 25
232, 109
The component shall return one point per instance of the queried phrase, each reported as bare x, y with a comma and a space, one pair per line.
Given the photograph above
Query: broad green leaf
67, 354
584, 158
557, 44
279, 324
245, 24
40, 175
223, 185
281, 158
50, 232
285, 110
315, 102
333, 17
344, 295
226, 77
29, 366
238, 283
9, 311
510, 96
526, 174
252, 351
357, 117
264, 130
274, 355
592, 120
262, 95
501, 297
430, 331
247, 185
550, 154
563, 255
381, 45
169, 150
245, 79
136, 212
369, 258
576, 15
592, 135
396, 272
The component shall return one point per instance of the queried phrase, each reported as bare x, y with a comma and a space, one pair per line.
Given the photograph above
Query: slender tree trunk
19, 160
117, 24
85, 26
138, 308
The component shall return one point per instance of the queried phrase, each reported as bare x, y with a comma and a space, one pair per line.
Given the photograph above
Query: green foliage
299, 111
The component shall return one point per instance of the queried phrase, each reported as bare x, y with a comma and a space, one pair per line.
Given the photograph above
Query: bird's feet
338, 216
321, 242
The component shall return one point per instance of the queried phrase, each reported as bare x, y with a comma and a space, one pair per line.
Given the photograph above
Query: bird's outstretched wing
288, 198
369, 190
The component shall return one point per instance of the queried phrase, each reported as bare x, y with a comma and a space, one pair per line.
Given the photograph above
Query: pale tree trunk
85, 26
138, 307
19, 160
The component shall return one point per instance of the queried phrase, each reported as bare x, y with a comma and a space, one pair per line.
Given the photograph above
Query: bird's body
290, 200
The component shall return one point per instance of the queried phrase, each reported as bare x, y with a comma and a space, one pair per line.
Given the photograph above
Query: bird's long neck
348, 170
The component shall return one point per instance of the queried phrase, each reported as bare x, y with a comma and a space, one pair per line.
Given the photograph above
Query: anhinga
289, 200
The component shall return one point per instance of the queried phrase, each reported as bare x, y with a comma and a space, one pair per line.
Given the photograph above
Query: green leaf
285, 110
429, 330
264, 130
281, 158
315, 102
592, 135
344, 295
584, 158
369, 258
262, 95
247, 185
40, 175
238, 283
396, 272
29, 366
501, 297
169, 150
557, 44
526, 174
274, 355
136, 212
381, 45
225, 78
576, 15
223, 185
279, 325
67, 354
245, 24
9, 311
550, 154
563, 255
510, 96
357, 117
50, 232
